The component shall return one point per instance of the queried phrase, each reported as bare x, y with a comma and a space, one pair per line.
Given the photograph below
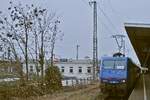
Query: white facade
80, 69
32, 68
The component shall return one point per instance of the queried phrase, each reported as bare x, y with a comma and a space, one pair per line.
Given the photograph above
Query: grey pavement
138, 92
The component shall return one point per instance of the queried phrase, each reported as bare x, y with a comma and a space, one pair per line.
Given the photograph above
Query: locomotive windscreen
114, 64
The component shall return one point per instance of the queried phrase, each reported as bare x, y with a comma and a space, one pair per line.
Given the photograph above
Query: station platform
142, 88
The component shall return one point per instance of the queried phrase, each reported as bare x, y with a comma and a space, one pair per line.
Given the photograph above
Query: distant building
70, 68
8, 66
32, 67
79, 69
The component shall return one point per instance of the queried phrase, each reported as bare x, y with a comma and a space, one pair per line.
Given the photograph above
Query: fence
75, 82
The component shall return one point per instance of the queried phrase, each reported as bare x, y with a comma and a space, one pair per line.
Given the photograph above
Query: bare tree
30, 32
8, 41
53, 39
43, 27
17, 27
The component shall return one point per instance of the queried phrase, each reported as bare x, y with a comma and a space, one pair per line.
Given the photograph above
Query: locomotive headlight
123, 81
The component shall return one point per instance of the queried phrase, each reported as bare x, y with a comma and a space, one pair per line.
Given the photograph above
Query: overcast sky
76, 23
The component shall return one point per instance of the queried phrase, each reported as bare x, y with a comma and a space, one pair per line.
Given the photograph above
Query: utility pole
77, 56
120, 42
95, 52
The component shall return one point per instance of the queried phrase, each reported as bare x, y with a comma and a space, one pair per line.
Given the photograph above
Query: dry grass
88, 93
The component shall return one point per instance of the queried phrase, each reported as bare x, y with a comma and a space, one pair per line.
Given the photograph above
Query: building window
62, 69
89, 70
31, 68
80, 69
71, 70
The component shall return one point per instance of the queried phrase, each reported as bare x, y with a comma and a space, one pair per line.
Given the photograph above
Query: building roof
65, 61
139, 35
73, 61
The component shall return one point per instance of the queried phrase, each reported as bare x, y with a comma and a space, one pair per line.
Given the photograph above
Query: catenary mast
95, 51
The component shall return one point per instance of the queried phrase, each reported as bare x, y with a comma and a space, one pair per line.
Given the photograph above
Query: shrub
53, 79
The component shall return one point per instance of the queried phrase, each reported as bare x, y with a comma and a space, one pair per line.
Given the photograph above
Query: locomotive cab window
114, 64
108, 64
120, 64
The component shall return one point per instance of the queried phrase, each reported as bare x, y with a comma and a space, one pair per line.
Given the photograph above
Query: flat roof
144, 25
139, 35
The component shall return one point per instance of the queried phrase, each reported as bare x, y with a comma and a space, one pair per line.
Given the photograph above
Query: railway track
114, 98
110, 98
102, 96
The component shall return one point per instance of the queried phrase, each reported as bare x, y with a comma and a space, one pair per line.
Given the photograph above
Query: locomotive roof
139, 35
109, 57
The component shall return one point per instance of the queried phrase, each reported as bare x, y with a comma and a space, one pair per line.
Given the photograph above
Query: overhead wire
101, 11
112, 9
114, 27
107, 18
108, 29
116, 12
103, 23
121, 16
85, 2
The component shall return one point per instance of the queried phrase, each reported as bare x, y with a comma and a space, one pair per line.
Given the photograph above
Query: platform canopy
139, 35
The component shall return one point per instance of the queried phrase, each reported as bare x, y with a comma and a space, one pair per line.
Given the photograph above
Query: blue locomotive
118, 75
